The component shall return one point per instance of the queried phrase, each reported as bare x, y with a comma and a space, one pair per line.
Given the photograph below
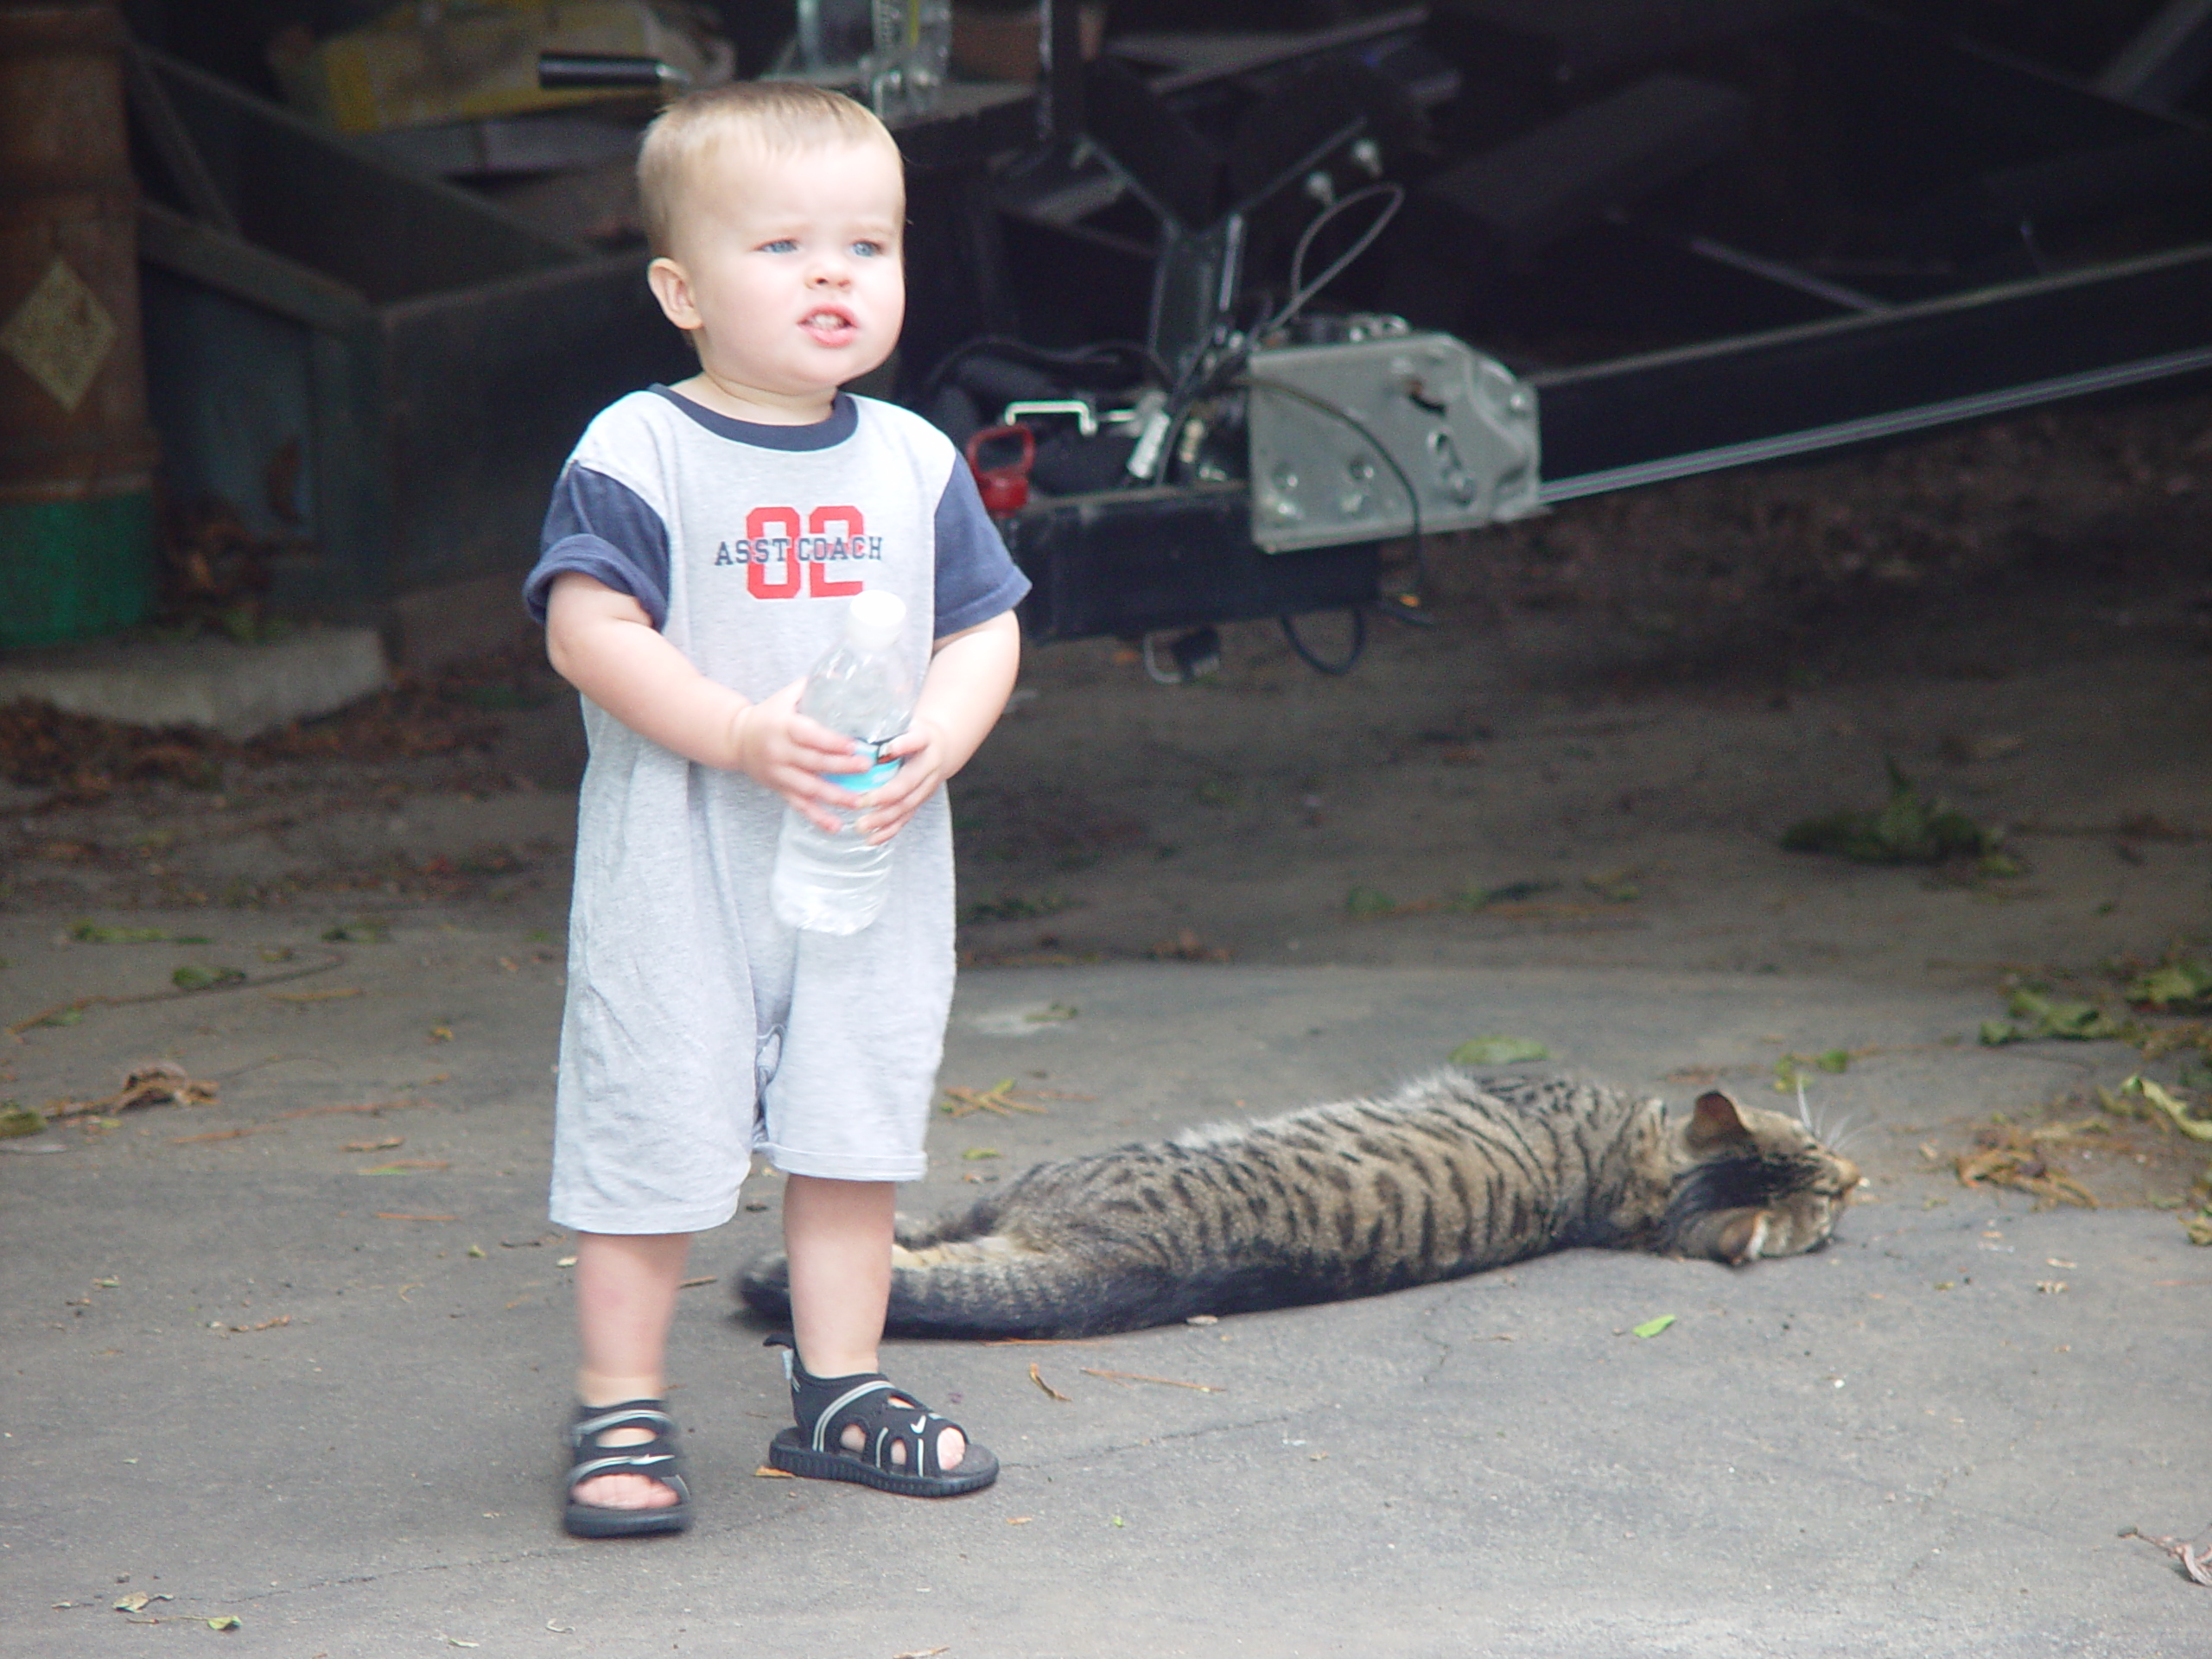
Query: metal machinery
1258, 305
1685, 238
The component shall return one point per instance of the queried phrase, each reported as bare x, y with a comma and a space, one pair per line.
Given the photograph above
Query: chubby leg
627, 1285
837, 1235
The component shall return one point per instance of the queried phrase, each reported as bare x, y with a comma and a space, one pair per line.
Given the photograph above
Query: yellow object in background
422, 63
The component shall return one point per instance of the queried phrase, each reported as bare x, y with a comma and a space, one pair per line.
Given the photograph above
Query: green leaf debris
1908, 828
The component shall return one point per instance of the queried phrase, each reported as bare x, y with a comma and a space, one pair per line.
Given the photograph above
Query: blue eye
781, 244
867, 250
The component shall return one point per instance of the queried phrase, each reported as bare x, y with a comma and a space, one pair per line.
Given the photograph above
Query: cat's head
1750, 1183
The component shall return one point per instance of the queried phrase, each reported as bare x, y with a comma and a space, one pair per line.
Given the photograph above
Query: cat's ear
1717, 1121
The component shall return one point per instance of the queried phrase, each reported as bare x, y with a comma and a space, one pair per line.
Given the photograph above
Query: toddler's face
791, 265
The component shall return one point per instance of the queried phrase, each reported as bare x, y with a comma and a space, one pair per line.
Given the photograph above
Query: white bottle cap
874, 620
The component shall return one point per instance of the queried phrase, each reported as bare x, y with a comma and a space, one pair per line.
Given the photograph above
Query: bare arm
970, 675
602, 643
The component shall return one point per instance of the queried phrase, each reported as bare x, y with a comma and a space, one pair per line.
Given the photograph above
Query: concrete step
238, 691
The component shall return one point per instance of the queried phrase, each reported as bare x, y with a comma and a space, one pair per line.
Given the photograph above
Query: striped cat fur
1452, 1174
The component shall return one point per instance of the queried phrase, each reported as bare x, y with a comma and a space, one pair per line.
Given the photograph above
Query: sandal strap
640, 1460
832, 1414
595, 1421
823, 1407
658, 1459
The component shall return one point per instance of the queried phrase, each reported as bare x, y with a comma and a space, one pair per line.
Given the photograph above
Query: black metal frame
1137, 561
1797, 390
1847, 366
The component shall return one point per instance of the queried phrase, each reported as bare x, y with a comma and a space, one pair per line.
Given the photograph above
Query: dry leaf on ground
1002, 1099
2020, 1158
1038, 1378
2196, 1128
163, 1082
2195, 1558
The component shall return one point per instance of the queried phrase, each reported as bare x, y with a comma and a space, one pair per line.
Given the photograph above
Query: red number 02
756, 573
818, 574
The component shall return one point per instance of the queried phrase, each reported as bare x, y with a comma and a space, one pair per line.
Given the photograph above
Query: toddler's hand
778, 747
921, 749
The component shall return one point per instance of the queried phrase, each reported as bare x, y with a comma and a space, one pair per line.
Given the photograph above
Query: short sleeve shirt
662, 492
698, 1028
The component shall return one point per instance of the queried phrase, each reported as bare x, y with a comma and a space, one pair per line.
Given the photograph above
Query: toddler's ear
672, 288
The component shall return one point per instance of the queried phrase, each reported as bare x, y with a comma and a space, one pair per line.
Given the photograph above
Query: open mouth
829, 325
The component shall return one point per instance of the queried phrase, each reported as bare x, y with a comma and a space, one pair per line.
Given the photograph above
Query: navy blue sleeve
975, 579
605, 529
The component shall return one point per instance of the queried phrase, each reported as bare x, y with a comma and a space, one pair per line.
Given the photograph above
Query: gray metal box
1408, 432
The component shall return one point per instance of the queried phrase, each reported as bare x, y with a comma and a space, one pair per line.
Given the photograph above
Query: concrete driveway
242, 1385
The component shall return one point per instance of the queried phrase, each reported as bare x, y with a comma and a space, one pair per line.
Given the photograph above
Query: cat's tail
990, 1287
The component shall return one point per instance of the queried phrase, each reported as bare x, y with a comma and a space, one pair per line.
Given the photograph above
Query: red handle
1020, 468
1004, 489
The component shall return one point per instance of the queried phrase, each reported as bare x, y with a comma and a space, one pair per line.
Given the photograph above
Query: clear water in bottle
837, 883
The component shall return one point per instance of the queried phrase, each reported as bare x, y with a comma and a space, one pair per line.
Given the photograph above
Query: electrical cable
1040, 357
1343, 664
1203, 375
1300, 295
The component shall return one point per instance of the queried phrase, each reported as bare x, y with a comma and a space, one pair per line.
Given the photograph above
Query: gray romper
697, 1026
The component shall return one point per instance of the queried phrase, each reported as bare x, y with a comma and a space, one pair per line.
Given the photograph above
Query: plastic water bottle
837, 883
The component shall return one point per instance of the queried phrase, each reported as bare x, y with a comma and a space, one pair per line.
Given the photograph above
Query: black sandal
657, 1459
826, 1406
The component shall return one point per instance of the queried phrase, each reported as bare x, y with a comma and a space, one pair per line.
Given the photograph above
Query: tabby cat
1451, 1175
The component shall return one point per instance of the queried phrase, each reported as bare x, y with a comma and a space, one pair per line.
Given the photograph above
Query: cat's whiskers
1837, 1135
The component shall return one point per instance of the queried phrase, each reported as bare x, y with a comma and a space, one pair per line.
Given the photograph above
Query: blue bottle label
861, 782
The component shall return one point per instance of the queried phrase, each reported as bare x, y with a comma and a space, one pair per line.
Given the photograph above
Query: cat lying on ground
1452, 1174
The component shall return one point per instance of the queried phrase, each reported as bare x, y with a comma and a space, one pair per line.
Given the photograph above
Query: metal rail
1825, 386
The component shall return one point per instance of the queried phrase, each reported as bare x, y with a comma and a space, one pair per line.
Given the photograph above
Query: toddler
700, 554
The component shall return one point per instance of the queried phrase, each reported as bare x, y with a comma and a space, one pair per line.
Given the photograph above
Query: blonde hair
779, 116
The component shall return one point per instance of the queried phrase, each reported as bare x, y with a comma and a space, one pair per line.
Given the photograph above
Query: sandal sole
791, 1453
597, 1520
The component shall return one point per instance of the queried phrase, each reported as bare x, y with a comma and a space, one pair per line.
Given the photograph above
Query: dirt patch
1695, 565
1056, 825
